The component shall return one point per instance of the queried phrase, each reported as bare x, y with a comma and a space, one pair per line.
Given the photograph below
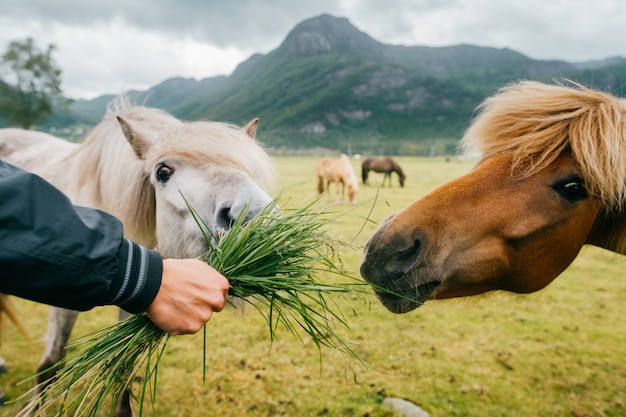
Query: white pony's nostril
224, 219
226, 216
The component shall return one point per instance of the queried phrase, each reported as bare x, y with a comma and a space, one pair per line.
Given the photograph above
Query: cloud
112, 46
225, 24
573, 30
112, 57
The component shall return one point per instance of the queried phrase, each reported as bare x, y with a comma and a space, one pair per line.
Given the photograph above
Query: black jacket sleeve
68, 256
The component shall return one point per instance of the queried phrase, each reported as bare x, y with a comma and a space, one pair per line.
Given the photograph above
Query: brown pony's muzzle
391, 260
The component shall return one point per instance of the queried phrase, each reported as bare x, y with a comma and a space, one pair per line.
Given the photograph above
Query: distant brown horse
386, 165
340, 172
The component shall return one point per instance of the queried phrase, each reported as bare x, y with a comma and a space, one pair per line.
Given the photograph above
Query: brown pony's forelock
535, 123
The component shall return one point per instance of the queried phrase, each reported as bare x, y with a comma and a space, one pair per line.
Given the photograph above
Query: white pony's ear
139, 142
250, 128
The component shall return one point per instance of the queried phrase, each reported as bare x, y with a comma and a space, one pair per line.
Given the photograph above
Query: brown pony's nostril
407, 259
392, 259
407, 253
389, 265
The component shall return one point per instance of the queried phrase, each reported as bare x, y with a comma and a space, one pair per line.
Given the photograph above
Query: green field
558, 352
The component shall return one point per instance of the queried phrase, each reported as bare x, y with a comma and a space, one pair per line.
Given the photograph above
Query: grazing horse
552, 178
140, 164
340, 172
386, 165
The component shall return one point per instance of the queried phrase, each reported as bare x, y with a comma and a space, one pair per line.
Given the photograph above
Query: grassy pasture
558, 352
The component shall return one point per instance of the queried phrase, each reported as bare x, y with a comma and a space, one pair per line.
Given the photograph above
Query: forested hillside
330, 85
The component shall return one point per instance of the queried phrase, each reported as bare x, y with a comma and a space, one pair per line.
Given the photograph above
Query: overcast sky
108, 47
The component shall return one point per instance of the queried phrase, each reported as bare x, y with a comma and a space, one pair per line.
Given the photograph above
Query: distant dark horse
386, 165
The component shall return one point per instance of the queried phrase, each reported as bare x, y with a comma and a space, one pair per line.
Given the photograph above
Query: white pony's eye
163, 173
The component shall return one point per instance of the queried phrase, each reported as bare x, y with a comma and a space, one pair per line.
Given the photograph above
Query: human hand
190, 292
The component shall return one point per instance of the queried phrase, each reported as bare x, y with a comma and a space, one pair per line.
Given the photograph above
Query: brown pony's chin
407, 300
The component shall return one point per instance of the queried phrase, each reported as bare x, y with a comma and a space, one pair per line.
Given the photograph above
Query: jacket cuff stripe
141, 279
129, 262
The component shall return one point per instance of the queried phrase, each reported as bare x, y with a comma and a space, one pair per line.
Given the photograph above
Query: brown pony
340, 172
552, 179
386, 165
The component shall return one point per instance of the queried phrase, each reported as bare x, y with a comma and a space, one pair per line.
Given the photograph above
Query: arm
76, 257
73, 257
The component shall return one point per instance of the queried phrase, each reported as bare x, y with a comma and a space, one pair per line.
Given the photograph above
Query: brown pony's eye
164, 173
571, 190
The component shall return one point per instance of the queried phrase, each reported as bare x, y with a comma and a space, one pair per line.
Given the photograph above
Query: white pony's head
216, 168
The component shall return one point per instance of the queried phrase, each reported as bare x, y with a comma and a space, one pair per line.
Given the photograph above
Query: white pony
137, 164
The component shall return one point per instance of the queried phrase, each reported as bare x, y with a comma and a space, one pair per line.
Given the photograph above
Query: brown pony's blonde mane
536, 122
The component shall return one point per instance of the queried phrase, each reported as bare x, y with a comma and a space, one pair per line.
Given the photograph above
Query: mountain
329, 84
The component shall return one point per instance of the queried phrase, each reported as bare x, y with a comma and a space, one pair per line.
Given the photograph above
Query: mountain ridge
329, 84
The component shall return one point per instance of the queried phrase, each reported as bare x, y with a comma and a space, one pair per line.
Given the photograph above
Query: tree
29, 82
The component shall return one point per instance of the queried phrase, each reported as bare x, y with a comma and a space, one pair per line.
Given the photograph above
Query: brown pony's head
552, 178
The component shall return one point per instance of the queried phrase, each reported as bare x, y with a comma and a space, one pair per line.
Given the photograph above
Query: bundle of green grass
271, 263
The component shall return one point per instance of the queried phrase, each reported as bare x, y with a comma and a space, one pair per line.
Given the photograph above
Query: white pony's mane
111, 176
